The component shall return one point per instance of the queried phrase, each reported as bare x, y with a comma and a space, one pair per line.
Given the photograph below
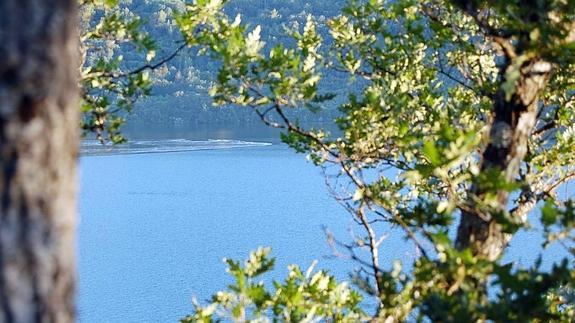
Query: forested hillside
179, 93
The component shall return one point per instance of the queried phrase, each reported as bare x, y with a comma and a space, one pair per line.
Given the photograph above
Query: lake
154, 228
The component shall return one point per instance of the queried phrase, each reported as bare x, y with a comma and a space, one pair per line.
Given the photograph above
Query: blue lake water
154, 228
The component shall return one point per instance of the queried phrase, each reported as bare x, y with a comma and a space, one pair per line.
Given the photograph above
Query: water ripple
94, 147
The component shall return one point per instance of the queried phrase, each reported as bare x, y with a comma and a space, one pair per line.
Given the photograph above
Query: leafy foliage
302, 296
109, 88
178, 87
465, 111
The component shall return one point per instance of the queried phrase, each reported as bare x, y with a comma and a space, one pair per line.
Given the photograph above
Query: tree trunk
513, 122
38, 152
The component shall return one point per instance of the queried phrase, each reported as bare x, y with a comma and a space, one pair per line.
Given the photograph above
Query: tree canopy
123, 39
457, 128
110, 85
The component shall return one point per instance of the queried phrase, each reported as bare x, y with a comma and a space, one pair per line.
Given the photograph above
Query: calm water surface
154, 228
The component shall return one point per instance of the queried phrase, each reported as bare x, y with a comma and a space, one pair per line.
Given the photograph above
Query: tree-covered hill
180, 88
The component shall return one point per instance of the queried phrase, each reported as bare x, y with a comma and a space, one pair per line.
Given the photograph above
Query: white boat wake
94, 147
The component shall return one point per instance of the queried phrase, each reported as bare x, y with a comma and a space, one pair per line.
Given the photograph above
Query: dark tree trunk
38, 150
513, 122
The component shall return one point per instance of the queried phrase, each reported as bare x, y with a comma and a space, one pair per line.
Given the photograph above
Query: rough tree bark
38, 150
513, 123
